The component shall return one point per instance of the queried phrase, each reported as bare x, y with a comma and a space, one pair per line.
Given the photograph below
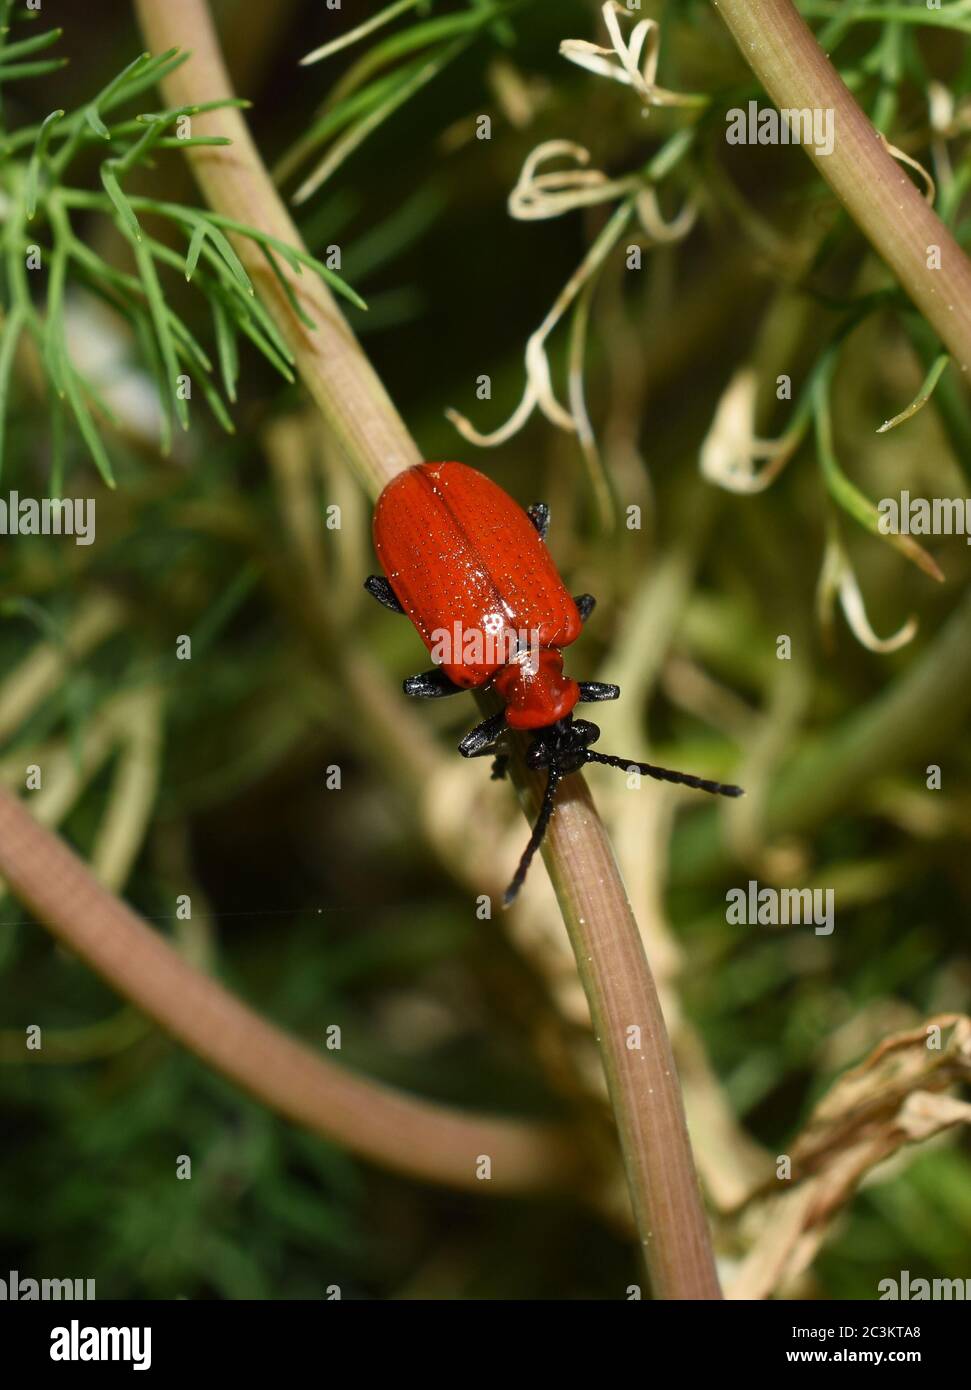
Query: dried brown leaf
896, 1097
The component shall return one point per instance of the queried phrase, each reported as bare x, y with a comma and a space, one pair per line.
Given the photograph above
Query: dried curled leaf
622, 60
731, 448
553, 192
930, 187
949, 116
837, 578
539, 387
549, 194
897, 1096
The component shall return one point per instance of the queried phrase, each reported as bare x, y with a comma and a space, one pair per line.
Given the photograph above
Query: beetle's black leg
539, 515
536, 839
379, 588
598, 690
430, 685
585, 603
483, 736
500, 761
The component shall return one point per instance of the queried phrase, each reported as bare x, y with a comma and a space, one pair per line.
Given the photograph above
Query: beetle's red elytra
470, 568
458, 550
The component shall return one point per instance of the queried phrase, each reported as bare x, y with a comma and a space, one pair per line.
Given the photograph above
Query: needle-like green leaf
36, 159
163, 332
114, 191
848, 496
9, 337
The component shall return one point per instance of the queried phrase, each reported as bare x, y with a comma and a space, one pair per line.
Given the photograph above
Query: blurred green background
357, 906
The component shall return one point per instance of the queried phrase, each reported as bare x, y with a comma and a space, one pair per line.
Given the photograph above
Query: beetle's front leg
585, 603
598, 690
481, 739
430, 685
539, 515
379, 588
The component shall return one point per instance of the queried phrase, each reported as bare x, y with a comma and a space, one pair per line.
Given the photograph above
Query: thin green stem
416, 1137
880, 197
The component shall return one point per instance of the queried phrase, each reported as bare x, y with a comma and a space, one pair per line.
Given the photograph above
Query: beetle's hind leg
379, 588
500, 761
430, 685
482, 738
539, 515
591, 691
585, 603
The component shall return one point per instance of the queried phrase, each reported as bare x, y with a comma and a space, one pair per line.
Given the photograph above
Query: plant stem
415, 1137
642, 1080
641, 1076
344, 385
886, 205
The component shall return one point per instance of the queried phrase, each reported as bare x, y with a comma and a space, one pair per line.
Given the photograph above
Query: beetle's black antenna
536, 839
665, 774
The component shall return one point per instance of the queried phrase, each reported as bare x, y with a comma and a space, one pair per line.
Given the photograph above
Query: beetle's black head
563, 748
562, 745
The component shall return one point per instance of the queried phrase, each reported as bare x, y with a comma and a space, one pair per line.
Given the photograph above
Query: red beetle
470, 569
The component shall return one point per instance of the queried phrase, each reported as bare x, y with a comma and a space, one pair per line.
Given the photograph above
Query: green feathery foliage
40, 234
